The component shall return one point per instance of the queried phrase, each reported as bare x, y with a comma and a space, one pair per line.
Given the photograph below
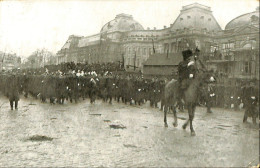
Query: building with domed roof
196, 16
125, 40
236, 50
121, 23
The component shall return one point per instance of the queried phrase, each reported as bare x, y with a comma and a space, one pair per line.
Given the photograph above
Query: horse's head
206, 76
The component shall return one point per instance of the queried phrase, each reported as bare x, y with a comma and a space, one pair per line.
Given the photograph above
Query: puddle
130, 146
225, 125
39, 138
95, 114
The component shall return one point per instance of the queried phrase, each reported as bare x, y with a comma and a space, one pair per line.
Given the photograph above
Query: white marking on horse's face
253, 97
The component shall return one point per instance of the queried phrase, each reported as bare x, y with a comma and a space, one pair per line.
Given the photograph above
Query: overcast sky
28, 25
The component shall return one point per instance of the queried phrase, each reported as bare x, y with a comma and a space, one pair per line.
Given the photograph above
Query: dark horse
191, 95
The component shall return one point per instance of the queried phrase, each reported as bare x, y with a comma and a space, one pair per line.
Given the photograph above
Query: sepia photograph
129, 83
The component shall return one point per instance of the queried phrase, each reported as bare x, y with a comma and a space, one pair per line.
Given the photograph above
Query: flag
153, 47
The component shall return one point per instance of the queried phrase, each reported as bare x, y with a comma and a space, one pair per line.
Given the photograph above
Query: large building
9, 61
233, 50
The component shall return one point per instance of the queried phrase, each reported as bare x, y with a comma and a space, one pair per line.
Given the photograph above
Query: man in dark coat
13, 90
186, 71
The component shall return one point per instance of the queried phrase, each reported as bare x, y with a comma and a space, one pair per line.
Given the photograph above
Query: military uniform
13, 90
186, 71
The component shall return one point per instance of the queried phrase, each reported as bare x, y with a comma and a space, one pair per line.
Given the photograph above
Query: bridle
198, 61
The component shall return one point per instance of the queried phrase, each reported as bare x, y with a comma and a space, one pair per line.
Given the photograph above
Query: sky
27, 25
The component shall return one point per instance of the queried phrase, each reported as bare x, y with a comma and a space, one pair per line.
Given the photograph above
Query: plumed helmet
186, 54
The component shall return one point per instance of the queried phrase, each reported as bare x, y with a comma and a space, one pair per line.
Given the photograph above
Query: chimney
148, 28
154, 28
164, 27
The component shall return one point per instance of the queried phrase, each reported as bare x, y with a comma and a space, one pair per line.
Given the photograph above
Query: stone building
236, 50
123, 39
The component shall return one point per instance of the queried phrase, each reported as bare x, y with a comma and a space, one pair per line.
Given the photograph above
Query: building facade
9, 61
233, 51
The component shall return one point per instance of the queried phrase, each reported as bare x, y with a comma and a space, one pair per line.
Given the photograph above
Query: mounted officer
186, 71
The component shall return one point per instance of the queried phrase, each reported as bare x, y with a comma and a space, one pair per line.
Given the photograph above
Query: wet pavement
80, 135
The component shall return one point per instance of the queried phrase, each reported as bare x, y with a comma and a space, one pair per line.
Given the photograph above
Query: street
79, 135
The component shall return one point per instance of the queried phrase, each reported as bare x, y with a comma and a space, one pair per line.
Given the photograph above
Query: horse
191, 95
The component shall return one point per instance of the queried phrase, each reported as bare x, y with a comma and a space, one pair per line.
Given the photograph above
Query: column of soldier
109, 82
74, 82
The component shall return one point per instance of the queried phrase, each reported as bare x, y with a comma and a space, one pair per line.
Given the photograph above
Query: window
202, 17
144, 51
247, 67
181, 19
150, 50
188, 17
209, 19
138, 51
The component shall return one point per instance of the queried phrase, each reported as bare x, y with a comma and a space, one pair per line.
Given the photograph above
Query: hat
186, 54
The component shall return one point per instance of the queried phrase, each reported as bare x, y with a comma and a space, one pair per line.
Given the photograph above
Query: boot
12, 105
16, 105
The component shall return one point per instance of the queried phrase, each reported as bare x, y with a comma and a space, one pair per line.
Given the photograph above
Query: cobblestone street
82, 137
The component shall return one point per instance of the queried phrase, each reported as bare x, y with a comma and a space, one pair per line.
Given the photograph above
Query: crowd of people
72, 82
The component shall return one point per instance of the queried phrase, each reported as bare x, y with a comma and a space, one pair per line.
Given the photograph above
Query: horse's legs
187, 121
245, 117
165, 115
191, 116
175, 124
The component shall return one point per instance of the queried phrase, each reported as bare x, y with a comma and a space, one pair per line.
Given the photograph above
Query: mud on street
79, 135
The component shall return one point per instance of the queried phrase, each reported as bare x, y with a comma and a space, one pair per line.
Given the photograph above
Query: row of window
202, 17
139, 38
130, 61
138, 50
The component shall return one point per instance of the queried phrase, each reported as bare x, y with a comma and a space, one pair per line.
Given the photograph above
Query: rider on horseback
186, 71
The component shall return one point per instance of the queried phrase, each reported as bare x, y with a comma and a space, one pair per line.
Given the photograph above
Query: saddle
184, 84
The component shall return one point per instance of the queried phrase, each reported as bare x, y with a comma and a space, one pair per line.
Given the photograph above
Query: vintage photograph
127, 83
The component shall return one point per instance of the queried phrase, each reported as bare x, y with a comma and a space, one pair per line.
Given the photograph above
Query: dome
246, 19
196, 16
122, 23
